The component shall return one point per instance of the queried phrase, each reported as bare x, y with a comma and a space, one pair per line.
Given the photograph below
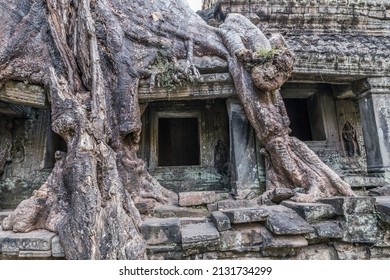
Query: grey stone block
280, 194
35, 254
351, 205
246, 215
383, 208
38, 240
243, 238
328, 229
235, 204
221, 221
169, 211
199, 232
161, 231
56, 249
196, 198
311, 212
3, 235
285, 221
273, 241
360, 228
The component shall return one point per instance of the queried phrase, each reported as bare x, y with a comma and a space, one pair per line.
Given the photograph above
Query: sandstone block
360, 228
280, 194
311, 212
38, 240
35, 254
273, 241
56, 249
196, 198
351, 205
3, 235
383, 208
243, 238
221, 221
199, 232
246, 215
328, 229
285, 221
235, 204
161, 231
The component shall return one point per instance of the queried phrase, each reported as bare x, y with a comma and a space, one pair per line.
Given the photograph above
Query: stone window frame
155, 116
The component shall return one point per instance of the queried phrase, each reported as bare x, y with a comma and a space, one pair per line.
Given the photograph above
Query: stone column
246, 168
374, 104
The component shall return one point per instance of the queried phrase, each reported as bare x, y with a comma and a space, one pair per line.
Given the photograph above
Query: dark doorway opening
297, 110
178, 142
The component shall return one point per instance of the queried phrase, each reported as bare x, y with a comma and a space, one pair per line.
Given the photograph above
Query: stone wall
209, 226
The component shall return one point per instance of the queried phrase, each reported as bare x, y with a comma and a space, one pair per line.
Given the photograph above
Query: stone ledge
196, 198
198, 233
161, 231
285, 221
246, 215
311, 212
20, 244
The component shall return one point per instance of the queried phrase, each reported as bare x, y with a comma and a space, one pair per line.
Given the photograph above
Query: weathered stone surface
246, 215
317, 252
35, 254
24, 94
169, 211
273, 241
328, 229
311, 212
199, 233
39, 240
196, 198
346, 251
196, 220
351, 205
360, 228
380, 191
235, 204
4, 214
383, 208
242, 238
379, 253
3, 235
280, 194
383, 237
155, 249
285, 221
221, 221
212, 207
161, 231
56, 249
200, 247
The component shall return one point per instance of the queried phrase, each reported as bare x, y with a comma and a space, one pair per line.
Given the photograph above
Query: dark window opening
298, 112
178, 142
54, 143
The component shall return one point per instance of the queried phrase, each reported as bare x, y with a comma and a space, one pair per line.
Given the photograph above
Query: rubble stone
311, 212
280, 194
328, 229
242, 238
273, 241
221, 221
383, 208
284, 221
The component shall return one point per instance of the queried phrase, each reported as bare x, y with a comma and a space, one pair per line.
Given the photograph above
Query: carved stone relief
5, 143
350, 140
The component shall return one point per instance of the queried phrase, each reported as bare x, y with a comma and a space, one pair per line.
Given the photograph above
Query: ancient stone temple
197, 141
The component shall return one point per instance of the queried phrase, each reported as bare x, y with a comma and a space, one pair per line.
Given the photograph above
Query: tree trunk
90, 55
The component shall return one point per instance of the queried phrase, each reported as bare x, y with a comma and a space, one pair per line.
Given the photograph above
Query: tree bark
90, 56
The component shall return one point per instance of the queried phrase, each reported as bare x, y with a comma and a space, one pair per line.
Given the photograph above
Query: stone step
158, 231
193, 233
196, 198
169, 211
235, 204
285, 221
34, 244
311, 212
246, 215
